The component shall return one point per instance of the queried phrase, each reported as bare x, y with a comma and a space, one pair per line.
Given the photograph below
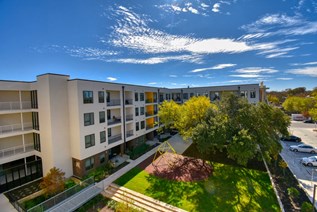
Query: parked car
309, 161
309, 121
291, 138
303, 148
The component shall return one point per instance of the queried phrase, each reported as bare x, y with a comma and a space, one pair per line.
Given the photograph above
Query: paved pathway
5, 205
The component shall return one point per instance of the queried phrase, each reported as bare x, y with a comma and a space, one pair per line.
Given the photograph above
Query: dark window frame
88, 97
91, 142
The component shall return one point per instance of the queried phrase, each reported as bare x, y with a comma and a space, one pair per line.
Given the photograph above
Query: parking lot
307, 176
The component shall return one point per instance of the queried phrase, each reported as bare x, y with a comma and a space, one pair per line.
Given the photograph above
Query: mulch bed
177, 167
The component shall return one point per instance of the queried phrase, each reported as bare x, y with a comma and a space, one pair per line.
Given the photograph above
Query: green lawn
230, 188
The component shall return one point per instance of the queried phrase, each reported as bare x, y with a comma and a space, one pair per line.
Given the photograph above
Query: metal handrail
16, 150
15, 127
114, 138
15, 105
129, 133
113, 102
129, 117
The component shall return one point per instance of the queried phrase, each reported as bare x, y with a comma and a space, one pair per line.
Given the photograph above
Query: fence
62, 196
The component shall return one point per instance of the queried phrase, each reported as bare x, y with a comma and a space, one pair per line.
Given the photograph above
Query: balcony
16, 150
113, 102
129, 117
149, 101
149, 113
150, 126
129, 133
128, 102
115, 138
114, 120
15, 128
15, 105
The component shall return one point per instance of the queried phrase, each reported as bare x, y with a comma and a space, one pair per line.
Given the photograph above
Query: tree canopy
234, 124
53, 182
303, 105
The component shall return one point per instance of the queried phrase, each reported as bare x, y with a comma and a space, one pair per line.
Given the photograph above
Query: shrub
53, 182
69, 183
307, 207
293, 192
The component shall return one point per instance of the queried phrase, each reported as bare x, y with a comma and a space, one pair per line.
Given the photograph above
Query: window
191, 94
108, 96
244, 94
88, 97
108, 114
89, 163
101, 97
142, 125
102, 117
141, 96
88, 119
102, 158
136, 97
141, 111
102, 136
89, 140
109, 132
185, 95
137, 126
136, 111
252, 94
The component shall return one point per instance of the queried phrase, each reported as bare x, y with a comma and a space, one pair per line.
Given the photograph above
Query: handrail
15, 105
16, 150
114, 138
15, 127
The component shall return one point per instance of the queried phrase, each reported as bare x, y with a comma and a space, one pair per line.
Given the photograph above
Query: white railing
15, 127
16, 150
15, 105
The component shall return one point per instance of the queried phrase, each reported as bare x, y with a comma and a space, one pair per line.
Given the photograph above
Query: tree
169, 113
300, 104
273, 99
242, 128
53, 182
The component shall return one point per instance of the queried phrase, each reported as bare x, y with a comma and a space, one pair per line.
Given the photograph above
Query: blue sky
164, 43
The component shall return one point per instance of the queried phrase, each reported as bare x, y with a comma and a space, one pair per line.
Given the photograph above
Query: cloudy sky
163, 43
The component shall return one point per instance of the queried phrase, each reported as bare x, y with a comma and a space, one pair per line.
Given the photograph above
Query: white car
303, 148
310, 161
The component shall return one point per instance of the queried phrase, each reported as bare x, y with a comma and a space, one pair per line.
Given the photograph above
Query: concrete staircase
145, 203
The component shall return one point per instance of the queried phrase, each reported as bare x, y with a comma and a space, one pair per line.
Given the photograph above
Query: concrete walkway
5, 204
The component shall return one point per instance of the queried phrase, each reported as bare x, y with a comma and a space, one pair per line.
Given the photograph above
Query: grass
230, 188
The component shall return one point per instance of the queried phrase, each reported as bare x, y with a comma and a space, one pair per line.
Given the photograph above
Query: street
307, 176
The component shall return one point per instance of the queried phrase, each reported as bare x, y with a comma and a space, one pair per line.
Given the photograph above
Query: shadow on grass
228, 189
128, 176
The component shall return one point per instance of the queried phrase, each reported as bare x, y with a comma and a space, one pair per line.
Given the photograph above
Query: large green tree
242, 128
300, 104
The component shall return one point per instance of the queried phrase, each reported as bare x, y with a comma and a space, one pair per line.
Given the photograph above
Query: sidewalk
5, 205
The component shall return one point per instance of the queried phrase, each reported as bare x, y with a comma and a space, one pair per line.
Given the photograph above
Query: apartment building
78, 125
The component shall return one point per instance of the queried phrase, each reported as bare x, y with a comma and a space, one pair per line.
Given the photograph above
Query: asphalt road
307, 176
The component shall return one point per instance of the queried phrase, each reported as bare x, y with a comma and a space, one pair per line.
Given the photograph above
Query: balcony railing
16, 150
15, 128
129, 117
149, 101
128, 101
113, 121
149, 113
15, 105
113, 102
129, 133
149, 126
114, 138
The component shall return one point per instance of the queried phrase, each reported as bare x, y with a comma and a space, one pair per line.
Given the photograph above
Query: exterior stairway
145, 203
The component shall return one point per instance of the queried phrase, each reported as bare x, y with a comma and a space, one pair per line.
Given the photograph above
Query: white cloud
280, 24
279, 55
193, 10
255, 70
284, 78
204, 5
216, 7
136, 35
247, 75
111, 79
304, 64
219, 66
309, 71
157, 60
152, 83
